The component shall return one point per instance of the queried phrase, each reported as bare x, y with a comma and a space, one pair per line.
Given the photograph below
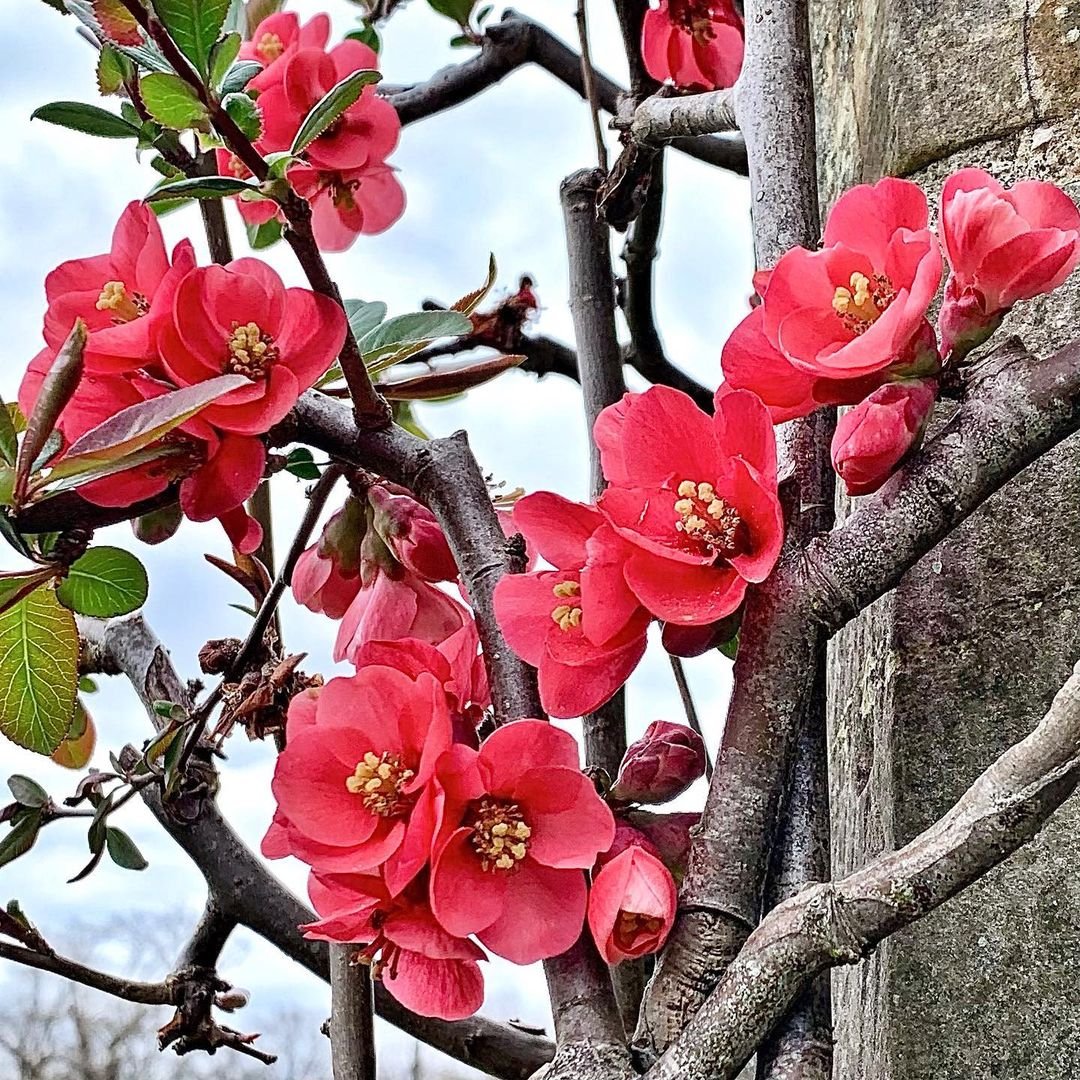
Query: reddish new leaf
117, 23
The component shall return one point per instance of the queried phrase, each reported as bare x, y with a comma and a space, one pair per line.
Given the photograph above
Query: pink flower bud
873, 438
664, 762
632, 906
326, 577
413, 534
668, 833
626, 836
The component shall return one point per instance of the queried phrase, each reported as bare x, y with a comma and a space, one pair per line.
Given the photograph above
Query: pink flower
873, 438
397, 604
859, 305
365, 133
668, 836
326, 577
413, 534
275, 40
240, 319
348, 204
522, 823
353, 784
632, 906
1003, 246
696, 44
663, 763
696, 498
112, 294
426, 969
580, 626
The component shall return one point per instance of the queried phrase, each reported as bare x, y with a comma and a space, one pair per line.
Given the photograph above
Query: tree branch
516, 41
352, 1019
663, 119
842, 922
246, 892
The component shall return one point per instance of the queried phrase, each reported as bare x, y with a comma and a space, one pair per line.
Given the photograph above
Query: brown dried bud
219, 654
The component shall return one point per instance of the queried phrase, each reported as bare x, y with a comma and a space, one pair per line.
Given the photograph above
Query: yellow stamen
500, 835
125, 306
861, 305
379, 779
270, 47
567, 588
706, 518
251, 351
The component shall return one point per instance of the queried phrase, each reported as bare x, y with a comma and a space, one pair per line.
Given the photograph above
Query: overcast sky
483, 178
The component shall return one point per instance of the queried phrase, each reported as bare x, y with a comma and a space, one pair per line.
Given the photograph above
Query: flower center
126, 307
568, 613
861, 306
632, 926
696, 17
238, 168
500, 835
251, 351
379, 779
270, 47
707, 519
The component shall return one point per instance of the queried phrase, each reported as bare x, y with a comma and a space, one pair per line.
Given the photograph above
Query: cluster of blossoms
694, 44
428, 845
157, 324
689, 519
848, 324
343, 174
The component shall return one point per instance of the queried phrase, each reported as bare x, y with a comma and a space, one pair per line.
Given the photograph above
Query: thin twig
352, 1016
689, 708
588, 78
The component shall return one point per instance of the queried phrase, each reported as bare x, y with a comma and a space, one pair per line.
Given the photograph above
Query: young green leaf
418, 328
364, 317
122, 850
27, 792
21, 838
301, 464
194, 25
265, 235
366, 34
14, 586
9, 441
245, 114
89, 119
222, 56
239, 75
60, 382
104, 582
200, 187
39, 650
337, 100
170, 101
458, 10
113, 70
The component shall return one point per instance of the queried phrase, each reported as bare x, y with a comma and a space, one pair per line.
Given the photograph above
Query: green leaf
194, 25
66, 477
199, 187
222, 56
418, 328
14, 586
122, 850
364, 317
239, 75
139, 425
9, 442
104, 582
21, 838
113, 70
39, 651
12, 535
730, 649
89, 119
300, 463
171, 101
366, 34
458, 10
28, 792
245, 114
157, 526
236, 20
337, 100
265, 235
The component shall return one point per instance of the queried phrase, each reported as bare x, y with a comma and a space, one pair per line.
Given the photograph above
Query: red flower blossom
663, 763
521, 825
1003, 246
414, 535
695, 496
353, 784
326, 577
112, 294
240, 319
858, 305
365, 133
345, 205
873, 438
426, 969
580, 626
275, 40
632, 906
696, 44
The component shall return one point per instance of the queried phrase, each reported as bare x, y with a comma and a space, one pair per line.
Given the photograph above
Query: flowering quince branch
660, 120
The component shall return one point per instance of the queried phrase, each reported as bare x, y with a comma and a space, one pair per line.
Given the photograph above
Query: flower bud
626, 836
669, 834
873, 438
326, 577
663, 763
413, 534
631, 906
